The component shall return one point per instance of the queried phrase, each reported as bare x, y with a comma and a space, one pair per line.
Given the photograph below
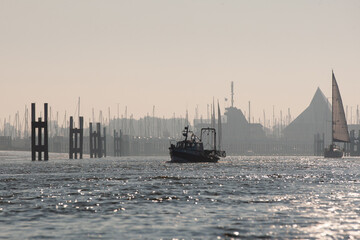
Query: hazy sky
176, 54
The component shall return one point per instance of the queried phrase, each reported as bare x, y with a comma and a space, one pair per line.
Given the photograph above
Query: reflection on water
145, 197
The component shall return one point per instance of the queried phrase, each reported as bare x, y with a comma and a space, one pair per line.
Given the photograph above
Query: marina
179, 119
305, 135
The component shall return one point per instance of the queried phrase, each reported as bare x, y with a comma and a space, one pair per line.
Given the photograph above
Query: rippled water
148, 198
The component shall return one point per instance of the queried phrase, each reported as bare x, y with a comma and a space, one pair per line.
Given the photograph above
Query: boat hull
181, 156
333, 153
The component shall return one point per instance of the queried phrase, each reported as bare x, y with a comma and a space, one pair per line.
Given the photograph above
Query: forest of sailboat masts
17, 126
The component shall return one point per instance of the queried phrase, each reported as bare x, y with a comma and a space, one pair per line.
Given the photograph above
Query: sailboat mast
332, 108
219, 127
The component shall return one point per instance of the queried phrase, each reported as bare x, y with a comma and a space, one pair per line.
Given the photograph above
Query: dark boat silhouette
339, 131
191, 149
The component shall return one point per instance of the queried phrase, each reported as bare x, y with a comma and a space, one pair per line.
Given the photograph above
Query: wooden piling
91, 141
98, 140
46, 136
117, 145
71, 138
40, 126
103, 140
33, 152
97, 143
76, 139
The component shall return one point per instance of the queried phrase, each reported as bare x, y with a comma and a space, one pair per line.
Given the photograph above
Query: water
147, 198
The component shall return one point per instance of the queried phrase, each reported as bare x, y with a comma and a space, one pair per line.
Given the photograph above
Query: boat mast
332, 108
219, 127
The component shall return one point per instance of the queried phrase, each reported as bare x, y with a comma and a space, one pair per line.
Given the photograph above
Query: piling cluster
76, 139
97, 142
38, 128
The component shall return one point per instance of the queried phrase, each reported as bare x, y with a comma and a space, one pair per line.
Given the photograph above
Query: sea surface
149, 198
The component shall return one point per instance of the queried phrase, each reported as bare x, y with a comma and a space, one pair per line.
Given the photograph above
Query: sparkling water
149, 198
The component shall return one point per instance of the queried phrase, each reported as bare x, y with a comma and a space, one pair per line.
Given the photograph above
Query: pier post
33, 151
97, 143
81, 123
117, 146
91, 141
46, 136
39, 139
103, 139
76, 139
71, 138
98, 140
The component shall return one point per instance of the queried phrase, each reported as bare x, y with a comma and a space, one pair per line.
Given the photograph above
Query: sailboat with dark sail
339, 131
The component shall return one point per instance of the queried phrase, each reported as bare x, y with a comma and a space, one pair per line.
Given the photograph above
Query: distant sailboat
340, 131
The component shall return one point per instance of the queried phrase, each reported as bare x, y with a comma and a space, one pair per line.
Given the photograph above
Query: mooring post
39, 140
81, 123
41, 145
104, 142
76, 144
99, 142
71, 143
33, 152
117, 139
46, 137
91, 140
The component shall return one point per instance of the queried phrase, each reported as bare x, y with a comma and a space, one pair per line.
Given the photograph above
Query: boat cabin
194, 145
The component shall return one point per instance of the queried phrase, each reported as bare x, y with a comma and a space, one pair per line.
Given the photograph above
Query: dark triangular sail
339, 126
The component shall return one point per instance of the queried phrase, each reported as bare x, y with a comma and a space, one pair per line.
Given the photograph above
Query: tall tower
249, 113
232, 94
